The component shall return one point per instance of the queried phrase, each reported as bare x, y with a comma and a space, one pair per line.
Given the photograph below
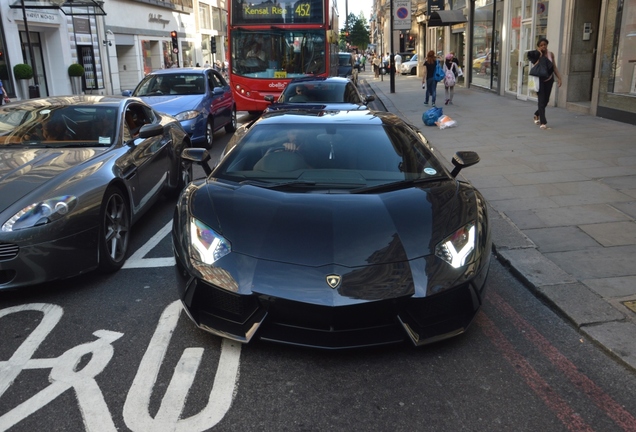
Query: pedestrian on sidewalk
545, 84
450, 78
429, 77
376, 66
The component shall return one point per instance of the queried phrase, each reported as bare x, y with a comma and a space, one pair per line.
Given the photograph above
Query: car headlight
457, 247
40, 213
186, 115
207, 246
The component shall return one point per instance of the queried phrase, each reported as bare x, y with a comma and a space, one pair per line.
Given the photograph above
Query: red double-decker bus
271, 42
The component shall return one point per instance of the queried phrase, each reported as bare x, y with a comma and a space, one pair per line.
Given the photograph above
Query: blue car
199, 98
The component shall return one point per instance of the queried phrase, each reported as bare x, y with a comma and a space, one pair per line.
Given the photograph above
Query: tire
414, 71
185, 177
114, 231
209, 133
231, 126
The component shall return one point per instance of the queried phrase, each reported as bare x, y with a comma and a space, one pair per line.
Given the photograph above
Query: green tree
355, 33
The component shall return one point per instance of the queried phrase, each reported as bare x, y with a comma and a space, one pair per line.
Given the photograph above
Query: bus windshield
278, 53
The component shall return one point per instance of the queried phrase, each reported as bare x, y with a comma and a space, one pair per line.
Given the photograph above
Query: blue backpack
439, 72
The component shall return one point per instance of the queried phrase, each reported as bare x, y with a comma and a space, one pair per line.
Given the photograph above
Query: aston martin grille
8, 251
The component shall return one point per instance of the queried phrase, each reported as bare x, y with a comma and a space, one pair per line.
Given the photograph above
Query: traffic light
175, 42
213, 45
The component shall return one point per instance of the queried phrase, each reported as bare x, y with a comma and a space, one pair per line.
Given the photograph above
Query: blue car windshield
171, 84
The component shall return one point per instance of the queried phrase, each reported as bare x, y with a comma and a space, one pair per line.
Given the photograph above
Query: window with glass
205, 22
483, 55
278, 53
623, 78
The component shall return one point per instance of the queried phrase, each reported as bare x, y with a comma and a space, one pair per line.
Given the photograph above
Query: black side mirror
151, 130
464, 159
198, 156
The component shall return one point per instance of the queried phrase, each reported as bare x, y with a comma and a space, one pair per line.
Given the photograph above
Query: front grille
224, 304
8, 251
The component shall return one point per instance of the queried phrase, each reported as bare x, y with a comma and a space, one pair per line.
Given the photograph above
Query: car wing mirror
369, 98
218, 90
151, 130
198, 156
269, 98
127, 93
464, 159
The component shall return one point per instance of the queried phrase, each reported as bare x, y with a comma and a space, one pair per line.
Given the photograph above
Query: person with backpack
450, 78
429, 77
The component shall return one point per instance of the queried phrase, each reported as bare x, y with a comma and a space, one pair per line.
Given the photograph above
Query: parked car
323, 93
407, 56
77, 172
335, 230
345, 65
200, 98
409, 67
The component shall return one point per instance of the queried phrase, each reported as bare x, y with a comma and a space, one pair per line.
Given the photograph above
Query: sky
355, 6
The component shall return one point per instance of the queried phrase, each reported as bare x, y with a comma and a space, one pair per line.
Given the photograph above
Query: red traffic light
173, 34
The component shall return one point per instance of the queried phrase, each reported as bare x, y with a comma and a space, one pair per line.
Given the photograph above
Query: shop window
623, 79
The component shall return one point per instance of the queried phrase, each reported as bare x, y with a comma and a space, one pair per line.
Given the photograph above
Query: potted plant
23, 73
76, 71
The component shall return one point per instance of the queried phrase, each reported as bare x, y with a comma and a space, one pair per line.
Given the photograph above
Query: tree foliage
355, 33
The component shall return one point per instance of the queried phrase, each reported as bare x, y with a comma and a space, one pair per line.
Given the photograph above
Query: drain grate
630, 304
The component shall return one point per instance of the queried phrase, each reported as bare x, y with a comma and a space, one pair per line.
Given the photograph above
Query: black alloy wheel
114, 231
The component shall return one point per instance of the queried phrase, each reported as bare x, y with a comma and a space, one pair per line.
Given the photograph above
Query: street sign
402, 15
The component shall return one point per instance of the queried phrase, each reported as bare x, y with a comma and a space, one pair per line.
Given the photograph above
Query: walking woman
449, 80
429, 77
545, 84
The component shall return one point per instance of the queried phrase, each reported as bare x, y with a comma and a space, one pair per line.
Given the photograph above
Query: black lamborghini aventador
333, 230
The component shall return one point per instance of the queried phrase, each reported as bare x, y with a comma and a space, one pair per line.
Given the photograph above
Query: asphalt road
106, 353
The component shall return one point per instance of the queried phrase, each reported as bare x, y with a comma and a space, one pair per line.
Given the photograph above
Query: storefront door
524, 33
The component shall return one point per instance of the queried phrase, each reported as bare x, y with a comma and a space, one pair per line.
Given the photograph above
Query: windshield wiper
402, 184
267, 185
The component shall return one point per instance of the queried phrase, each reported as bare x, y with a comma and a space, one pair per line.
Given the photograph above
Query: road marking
63, 374
137, 259
136, 408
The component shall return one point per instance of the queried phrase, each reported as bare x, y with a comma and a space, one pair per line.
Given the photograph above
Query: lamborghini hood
316, 229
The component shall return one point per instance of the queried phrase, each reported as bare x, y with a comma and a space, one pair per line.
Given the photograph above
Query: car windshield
58, 126
171, 84
320, 92
330, 156
344, 60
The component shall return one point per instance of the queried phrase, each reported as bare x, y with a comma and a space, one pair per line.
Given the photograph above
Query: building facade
594, 42
117, 41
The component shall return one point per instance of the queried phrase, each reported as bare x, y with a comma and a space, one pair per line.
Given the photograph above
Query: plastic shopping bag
533, 83
445, 122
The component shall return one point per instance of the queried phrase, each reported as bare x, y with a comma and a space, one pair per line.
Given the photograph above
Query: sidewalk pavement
562, 200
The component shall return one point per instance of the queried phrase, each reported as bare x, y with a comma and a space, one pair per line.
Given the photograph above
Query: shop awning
68, 7
446, 18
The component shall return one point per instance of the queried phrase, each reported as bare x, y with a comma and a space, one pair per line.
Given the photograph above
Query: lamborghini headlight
40, 213
207, 246
457, 247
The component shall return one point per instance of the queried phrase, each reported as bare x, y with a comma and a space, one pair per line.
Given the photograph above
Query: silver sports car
75, 173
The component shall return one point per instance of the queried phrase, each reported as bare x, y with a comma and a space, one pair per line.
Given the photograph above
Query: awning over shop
68, 7
446, 18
